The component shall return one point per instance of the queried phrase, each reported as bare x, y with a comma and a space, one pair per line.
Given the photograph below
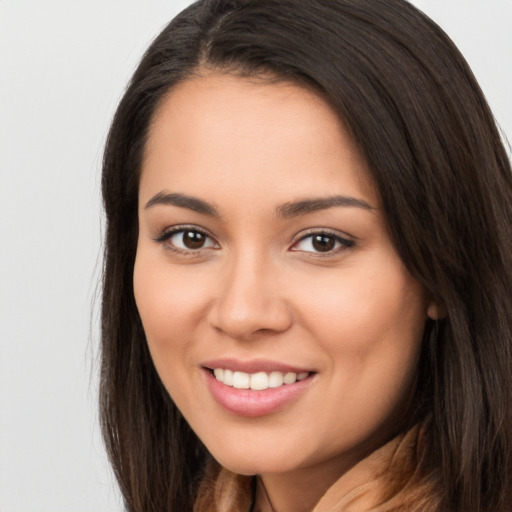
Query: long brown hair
419, 118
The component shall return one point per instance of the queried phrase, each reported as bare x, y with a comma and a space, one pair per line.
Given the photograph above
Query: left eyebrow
307, 206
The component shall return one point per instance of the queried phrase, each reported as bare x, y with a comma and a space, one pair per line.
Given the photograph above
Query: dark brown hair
419, 118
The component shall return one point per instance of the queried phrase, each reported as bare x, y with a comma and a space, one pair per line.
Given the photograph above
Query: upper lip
253, 366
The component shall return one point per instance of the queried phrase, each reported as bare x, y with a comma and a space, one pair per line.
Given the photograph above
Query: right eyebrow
183, 201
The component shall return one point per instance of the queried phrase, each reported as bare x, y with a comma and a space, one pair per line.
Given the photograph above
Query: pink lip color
254, 366
249, 403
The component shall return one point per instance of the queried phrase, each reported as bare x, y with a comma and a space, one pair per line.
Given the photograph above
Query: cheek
370, 324
373, 340
170, 302
366, 306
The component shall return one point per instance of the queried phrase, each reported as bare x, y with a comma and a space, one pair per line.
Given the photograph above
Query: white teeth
241, 380
257, 381
275, 379
228, 377
289, 378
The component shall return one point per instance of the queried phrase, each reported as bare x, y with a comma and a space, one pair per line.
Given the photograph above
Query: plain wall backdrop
63, 68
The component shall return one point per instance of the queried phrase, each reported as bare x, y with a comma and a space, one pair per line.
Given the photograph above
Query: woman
307, 267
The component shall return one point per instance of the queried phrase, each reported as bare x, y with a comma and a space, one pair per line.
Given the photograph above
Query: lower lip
251, 404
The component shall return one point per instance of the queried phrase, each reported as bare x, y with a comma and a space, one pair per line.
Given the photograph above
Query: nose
250, 300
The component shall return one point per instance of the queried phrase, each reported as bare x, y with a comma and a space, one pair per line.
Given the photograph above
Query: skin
258, 288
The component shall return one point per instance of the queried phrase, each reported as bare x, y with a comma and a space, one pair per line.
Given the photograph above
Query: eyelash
343, 243
166, 236
340, 243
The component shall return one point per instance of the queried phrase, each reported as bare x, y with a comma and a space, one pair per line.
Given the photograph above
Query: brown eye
186, 240
323, 243
193, 239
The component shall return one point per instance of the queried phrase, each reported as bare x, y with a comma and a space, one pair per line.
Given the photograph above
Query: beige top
388, 480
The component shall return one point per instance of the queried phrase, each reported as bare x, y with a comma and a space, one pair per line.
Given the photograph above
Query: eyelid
346, 241
169, 232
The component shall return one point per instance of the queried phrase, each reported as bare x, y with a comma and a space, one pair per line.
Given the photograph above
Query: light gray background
63, 67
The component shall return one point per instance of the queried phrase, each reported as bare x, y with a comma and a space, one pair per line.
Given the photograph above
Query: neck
301, 490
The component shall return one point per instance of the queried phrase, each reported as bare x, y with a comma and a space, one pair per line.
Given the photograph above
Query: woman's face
279, 315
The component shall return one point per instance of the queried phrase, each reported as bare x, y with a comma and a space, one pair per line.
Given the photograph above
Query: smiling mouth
255, 388
257, 381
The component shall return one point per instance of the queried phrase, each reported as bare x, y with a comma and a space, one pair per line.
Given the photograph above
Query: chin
254, 461
251, 467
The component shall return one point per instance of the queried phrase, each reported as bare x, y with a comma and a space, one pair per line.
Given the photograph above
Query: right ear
436, 311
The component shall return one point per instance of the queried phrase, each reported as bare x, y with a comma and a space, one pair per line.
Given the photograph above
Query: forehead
252, 134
